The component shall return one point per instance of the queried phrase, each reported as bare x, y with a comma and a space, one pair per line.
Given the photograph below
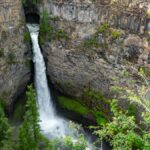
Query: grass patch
73, 105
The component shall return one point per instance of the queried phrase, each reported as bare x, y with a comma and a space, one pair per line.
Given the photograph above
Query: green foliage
115, 34
121, 131
148, 13
1, 52
5, 129
29, 133
19, 111
89, 43
26, 3
81, 109
77, 142
61, 34
73, 105
94, 95
106, 32
27, 37
44, 26
49, 32
100, 118
139, 96
103, 28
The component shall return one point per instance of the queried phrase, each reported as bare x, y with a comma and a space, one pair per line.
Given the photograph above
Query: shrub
49, 32
89, 43
121, 132
61, 34
1, 52
44, 23
103, 28
148, 13
115, 34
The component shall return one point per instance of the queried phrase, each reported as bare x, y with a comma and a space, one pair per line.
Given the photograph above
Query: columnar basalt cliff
105, 39
15, 55
125, 15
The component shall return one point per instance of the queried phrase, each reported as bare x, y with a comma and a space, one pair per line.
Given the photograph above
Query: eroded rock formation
73, 67
15, 71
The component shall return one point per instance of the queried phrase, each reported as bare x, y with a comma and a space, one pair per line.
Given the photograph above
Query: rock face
15, 71
124, 14
73, 66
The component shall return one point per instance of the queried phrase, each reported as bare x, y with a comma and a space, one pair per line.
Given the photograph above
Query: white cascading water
51, 124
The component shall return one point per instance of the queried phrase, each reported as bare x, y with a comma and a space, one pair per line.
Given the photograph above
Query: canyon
71, 67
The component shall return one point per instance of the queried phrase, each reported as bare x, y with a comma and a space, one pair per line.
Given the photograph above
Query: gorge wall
91, 57
125, 14
15, 54
85, 62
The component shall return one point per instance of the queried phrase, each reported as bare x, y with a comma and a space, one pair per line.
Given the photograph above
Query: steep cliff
15, 55
106, 40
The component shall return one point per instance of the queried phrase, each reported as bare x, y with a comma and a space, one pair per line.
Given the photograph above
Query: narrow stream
51, 124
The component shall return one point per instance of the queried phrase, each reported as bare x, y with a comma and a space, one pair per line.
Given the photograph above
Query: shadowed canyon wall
15, 71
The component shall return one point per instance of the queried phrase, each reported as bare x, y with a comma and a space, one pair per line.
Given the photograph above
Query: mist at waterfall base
51, 124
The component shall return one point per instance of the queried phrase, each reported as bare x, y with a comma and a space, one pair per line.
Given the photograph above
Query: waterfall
51, 124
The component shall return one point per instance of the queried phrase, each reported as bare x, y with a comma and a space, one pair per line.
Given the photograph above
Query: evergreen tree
29, 133
5, 129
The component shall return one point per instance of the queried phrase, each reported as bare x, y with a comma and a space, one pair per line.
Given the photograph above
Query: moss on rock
75, 106
72, 105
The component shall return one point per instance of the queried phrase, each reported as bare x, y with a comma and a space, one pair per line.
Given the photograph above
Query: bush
148, 13
1, 52
103, 28
49, 32
115, 34
89, 43
121, 132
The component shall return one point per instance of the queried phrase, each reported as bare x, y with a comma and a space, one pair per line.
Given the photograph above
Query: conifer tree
5, 129
29, 133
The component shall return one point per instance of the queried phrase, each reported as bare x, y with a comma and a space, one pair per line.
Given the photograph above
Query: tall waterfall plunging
51, 124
